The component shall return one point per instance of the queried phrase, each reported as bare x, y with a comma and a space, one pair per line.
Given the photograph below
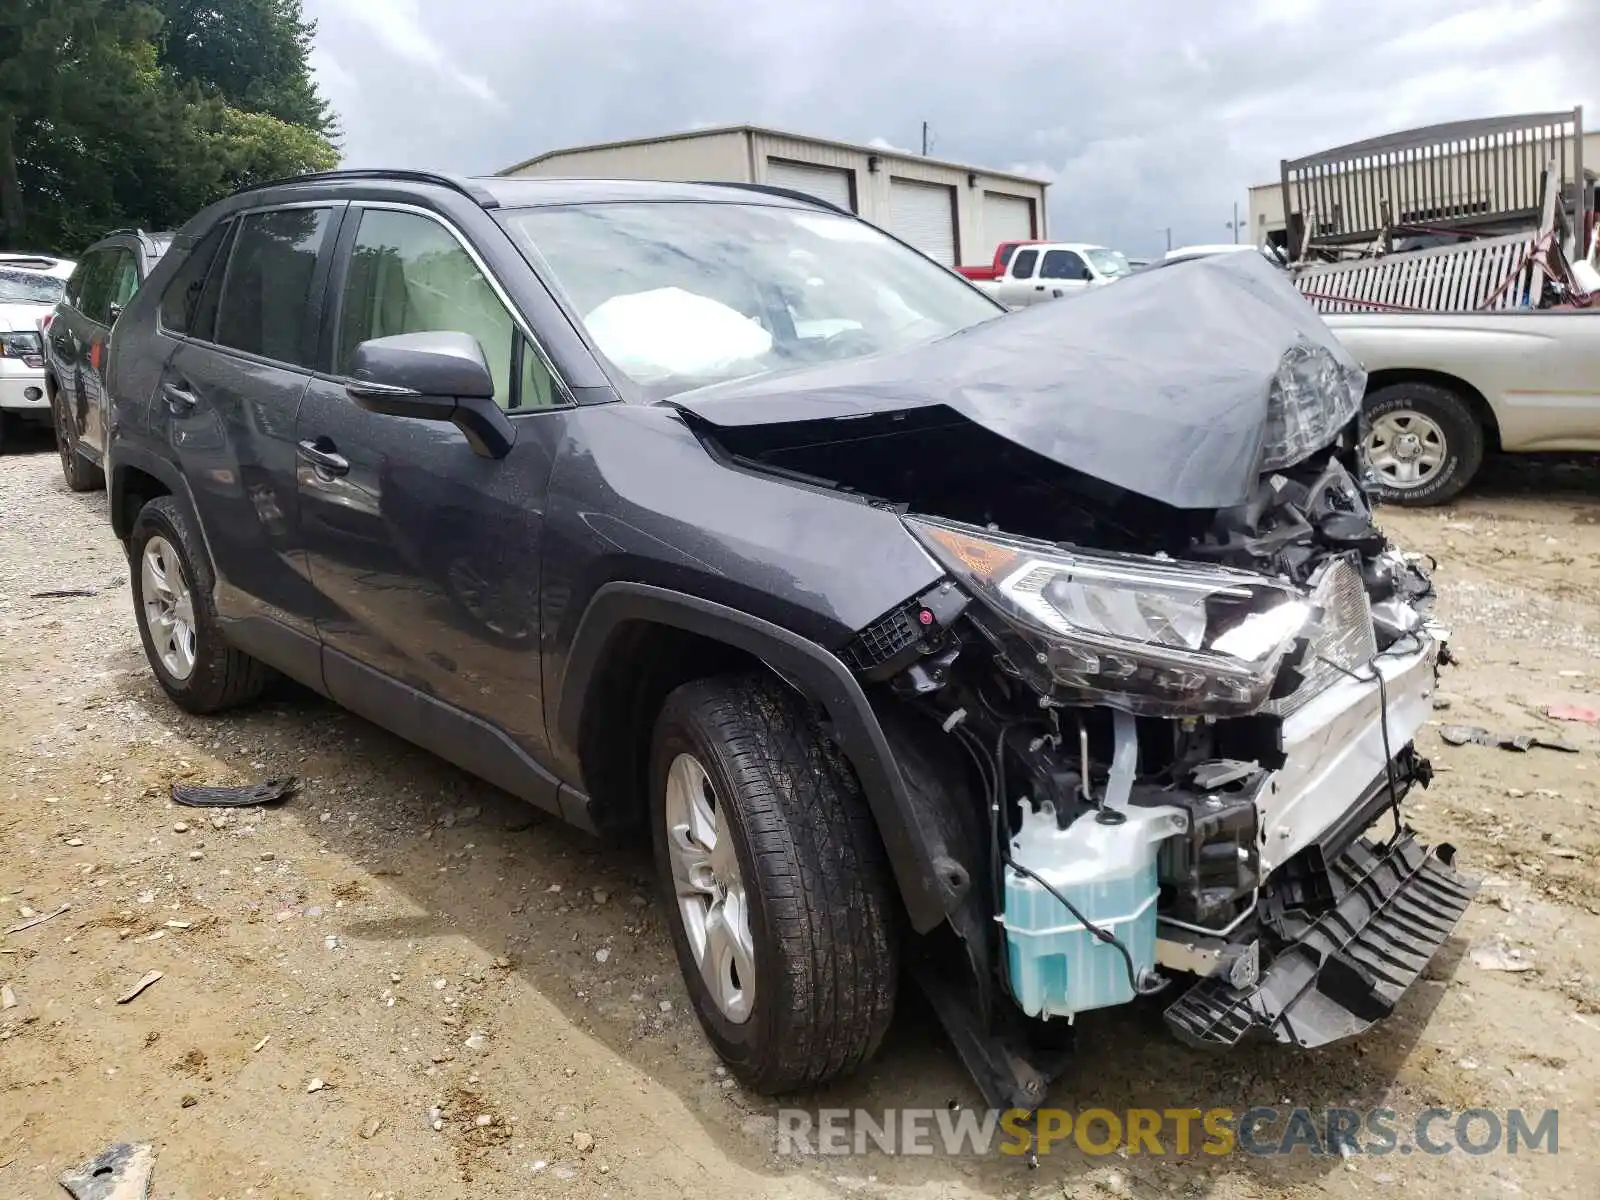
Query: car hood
23, 318
1158, 386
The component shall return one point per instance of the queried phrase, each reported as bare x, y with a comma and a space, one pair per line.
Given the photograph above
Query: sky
1144, 115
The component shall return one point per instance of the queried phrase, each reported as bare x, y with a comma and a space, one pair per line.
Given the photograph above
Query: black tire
1461, 432
222, 676
822, 920
81, 474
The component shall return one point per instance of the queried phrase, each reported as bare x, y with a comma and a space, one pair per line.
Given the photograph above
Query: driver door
427, 551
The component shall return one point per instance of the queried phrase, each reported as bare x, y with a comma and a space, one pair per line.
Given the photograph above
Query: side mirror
1085, 274
440, 376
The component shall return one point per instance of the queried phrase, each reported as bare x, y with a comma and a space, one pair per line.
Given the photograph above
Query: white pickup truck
1039, 271
1445, 387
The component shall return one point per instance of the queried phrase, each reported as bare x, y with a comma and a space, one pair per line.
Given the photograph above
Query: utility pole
1235, 224
924, 139
1168, 232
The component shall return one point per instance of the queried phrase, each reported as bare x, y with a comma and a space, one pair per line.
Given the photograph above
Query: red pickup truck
996, 269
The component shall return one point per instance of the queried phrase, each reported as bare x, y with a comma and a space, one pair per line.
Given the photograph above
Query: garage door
825, 183
924, 214
1006, 219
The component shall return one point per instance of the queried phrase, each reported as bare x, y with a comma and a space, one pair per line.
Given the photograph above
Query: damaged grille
1344, 636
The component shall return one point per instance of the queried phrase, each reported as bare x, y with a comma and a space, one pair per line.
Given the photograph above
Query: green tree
109, 117
252, 53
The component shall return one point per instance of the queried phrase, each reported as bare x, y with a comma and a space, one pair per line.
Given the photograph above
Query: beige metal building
955, 214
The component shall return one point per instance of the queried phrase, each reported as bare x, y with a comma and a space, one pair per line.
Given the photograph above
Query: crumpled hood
1158, 385
23, 318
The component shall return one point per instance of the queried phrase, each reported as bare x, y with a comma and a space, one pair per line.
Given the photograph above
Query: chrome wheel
168, 607
709, 887
1406, 448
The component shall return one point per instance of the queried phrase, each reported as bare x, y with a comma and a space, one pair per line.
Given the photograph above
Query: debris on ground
268, 791
1461, 735
64, 594
316, 1085
370, 1127
1572, 712
1500, 957
38, 919
8, 998
149, 978
121, 1172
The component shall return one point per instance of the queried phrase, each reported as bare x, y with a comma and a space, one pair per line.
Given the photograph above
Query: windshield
1109, 263
679, 295
18, 286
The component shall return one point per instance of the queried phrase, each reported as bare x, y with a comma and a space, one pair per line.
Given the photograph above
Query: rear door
1017, 285
72, 333
120, 283
227, 401
427, 553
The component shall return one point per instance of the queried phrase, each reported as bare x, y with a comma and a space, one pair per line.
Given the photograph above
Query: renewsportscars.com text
1262, 1131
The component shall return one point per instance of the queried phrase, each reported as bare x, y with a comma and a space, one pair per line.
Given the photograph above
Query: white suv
30, 286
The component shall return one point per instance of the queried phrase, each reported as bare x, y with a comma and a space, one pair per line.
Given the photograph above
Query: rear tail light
44, 322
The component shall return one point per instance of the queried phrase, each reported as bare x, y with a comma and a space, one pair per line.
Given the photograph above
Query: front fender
932, 880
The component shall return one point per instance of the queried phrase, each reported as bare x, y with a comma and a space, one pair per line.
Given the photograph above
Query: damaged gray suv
1049, 660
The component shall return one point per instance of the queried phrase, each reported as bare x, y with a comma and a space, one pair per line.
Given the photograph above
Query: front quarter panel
636, 497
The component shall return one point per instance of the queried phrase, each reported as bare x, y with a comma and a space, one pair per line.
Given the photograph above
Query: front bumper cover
1345, 961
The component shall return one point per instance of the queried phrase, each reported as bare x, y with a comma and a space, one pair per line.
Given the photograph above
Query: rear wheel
172, 599
779, 899
1424, 441
81, 474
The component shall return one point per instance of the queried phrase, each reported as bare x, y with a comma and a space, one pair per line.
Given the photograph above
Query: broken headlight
1148, 635
1312, 398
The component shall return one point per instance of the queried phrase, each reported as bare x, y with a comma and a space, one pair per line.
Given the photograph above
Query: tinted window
268, 285
1061, 264
182, 297
124, 281
1022, 265
95, 290
409, 274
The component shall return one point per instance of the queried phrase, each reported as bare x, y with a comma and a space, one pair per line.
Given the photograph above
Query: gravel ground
488, 1005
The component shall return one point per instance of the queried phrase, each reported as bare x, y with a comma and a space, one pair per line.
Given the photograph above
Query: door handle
179, 400
1038, 287
322, 459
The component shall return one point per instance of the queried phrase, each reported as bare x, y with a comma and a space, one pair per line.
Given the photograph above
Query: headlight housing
1311, 399
20, 345
1152, 636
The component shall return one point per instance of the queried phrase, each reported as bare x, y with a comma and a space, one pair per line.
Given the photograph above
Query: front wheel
779, 899
1424, 442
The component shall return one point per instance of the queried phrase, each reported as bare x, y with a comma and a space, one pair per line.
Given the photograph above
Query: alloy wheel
710, 890
168, 607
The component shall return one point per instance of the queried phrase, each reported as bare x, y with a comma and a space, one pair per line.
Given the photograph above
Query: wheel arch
1474, 399
134, 481
636, 642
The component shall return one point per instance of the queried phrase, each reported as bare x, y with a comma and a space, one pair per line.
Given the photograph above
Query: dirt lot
415, 940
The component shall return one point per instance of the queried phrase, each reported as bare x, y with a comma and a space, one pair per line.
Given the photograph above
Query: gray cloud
1145, 114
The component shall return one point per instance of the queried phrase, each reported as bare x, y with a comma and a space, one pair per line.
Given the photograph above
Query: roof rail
772, 190
469, 188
